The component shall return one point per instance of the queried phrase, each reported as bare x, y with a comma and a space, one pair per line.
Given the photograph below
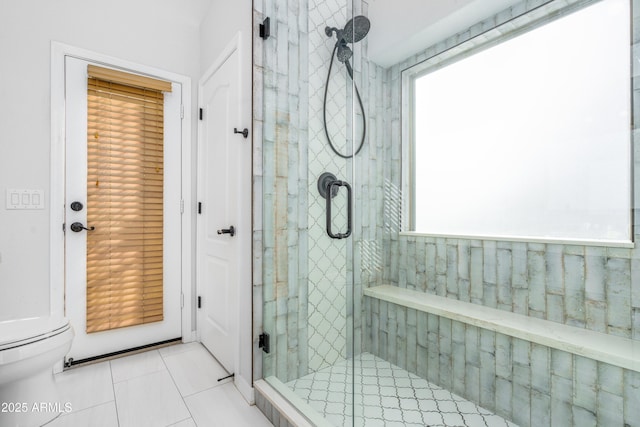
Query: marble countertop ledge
611, 349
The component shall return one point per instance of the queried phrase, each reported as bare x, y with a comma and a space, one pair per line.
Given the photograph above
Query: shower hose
324, 108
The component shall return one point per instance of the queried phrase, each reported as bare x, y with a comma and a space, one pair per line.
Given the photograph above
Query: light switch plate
24, 199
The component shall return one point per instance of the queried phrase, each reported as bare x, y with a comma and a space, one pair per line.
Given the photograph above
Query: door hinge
265, 29
263, 342
199, 302
181, 206
199, 207
182, 111
64, 227
181, 300
201, 113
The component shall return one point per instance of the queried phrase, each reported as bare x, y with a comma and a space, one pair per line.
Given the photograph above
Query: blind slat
125, 144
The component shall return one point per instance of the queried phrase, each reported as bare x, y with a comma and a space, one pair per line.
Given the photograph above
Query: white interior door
219, 183
105, 342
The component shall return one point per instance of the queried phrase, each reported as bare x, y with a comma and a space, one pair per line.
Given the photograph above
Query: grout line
141, 375
210, 388
189, 344
164, 362
178, 422
201, 346
57, 417
61, 374
113, 388
73, 413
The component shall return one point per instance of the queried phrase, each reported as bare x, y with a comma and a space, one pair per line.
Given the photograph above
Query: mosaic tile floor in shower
387, 395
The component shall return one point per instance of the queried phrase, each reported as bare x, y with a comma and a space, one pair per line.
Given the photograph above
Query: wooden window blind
125, 180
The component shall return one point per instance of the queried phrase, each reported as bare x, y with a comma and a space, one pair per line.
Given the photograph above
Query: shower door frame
279, 272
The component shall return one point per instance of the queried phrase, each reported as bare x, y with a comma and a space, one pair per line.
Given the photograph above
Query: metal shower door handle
330, 186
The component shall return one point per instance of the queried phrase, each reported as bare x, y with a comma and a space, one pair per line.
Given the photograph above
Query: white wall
219, 27
168, 39
183, 37
223, 20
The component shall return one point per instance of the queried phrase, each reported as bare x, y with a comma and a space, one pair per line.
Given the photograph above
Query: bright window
531, 137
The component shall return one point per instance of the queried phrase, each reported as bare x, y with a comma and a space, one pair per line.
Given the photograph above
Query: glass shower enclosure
318, 245
331, 216
346, 290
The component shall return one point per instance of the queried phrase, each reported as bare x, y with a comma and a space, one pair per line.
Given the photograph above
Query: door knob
77, 227
231, 230
76, 206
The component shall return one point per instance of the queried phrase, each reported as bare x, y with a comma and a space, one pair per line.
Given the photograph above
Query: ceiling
401, 28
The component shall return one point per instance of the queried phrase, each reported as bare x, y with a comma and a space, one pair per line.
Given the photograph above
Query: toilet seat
21, 332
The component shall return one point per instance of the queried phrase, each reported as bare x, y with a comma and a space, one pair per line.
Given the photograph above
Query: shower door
312, 122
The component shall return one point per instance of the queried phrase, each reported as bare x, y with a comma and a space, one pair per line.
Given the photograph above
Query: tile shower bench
610, 349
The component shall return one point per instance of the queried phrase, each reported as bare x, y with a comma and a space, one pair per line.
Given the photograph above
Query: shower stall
330, 249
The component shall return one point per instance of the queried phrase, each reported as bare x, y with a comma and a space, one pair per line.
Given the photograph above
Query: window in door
125, 193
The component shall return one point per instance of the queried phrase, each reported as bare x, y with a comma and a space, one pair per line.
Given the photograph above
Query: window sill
548, 240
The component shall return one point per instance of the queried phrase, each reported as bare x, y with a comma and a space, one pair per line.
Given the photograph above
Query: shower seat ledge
614, 350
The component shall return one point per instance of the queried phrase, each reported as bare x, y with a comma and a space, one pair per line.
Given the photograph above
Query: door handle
231, 230
77, 227
330, 187
244, 132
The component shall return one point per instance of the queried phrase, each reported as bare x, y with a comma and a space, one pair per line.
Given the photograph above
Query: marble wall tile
530, 384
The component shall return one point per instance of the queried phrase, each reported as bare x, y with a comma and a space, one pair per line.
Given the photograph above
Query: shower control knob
231, 230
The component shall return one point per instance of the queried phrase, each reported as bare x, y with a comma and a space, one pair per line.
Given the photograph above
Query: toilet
29, 349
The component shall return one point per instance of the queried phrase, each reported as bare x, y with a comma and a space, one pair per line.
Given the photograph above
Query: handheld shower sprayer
354, 31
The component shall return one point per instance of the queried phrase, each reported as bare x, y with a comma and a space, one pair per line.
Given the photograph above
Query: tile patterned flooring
173, 386
388, 396
178, 386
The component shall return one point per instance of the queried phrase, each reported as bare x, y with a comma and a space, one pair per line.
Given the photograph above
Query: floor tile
224, 406
136, 365
75, 383
139, 390
194, 370
150, 400
104, 415
396, 397
178, 348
